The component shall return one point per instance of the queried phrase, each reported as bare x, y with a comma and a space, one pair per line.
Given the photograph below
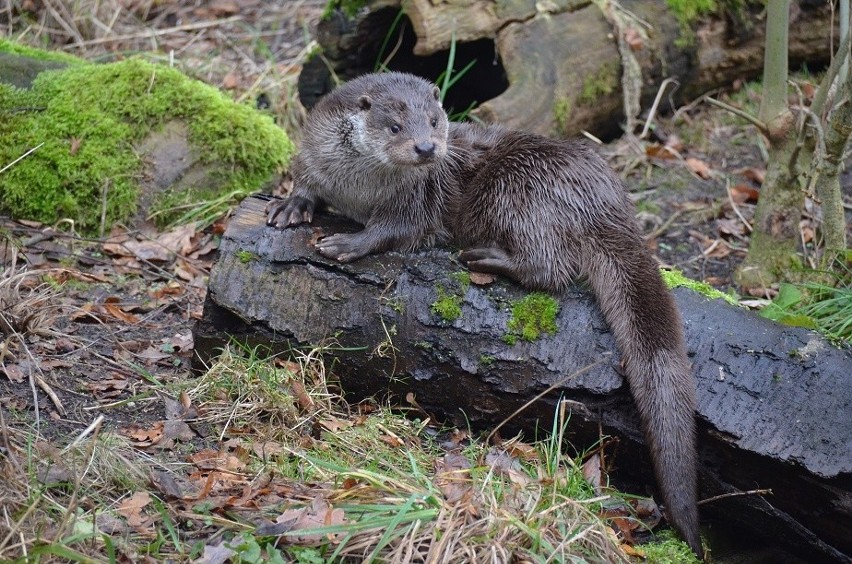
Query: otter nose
424, 148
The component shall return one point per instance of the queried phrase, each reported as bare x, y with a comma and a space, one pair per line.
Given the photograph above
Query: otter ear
364, 102
436, 92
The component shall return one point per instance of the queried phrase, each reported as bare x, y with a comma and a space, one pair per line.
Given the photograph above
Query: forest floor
105, 341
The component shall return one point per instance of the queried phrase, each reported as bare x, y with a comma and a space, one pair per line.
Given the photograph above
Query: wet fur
541, 211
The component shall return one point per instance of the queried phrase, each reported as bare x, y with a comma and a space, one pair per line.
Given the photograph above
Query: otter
543, 212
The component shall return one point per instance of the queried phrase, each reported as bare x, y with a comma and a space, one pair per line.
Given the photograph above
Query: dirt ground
107, 325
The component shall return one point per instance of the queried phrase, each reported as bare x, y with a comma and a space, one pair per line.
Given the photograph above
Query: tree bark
556, 67
774, 401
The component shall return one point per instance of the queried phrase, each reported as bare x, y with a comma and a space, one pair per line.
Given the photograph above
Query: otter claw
341, 247
292, 211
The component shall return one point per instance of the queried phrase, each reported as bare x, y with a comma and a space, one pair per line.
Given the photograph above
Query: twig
734, 494
741, 113
655, 106
7, 444
735, 206
164, 31
104, 192
25, 155
50, 393
94, 426
666, 224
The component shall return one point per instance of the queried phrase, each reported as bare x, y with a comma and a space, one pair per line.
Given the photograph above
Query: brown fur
541, 211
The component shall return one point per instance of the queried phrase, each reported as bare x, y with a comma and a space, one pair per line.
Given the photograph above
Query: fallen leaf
334, 424
144, 437
756, 175
14, 373
391, 441
76, 142
218, 554
319, 514
521, 450
593, 472
231, 80
505, 465
452, 476
657, 151
481, 278
742, 193
698, 167
174, 431
107, 388
131, 509
117, 312
302, 397
166, 483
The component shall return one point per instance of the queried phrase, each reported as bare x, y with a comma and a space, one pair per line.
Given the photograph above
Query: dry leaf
14, 373
231, 80
144, 437
117, 312
593, 472
302, 397
742, 193
319, 514
698, 167
452, 477
756, 175
131, 508
334, 424
481, 278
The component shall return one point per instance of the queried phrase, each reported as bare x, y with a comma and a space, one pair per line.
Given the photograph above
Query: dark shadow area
384, 46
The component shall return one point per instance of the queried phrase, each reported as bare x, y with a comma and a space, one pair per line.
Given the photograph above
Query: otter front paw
342, 247
293, 211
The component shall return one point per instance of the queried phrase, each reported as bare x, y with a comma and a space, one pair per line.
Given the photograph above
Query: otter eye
434, 122
395, 128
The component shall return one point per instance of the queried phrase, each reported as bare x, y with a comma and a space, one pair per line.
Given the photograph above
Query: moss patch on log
81, 123
531, 316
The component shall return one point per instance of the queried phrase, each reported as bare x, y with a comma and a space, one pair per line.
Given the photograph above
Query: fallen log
774, 401
561, 66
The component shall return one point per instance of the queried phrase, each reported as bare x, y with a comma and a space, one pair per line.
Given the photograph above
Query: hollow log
558, 67
774, 402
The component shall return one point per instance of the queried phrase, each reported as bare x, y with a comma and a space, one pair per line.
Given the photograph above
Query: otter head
401, 123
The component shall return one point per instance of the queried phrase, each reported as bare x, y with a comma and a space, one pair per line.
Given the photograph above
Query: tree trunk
556, 67
774, 401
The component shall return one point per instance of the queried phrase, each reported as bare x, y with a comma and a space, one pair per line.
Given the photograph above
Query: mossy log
774, 401
561, 66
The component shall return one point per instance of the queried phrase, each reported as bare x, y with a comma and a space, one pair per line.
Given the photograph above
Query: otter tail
647, 327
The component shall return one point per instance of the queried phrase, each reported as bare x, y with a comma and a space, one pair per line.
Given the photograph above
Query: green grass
827, 309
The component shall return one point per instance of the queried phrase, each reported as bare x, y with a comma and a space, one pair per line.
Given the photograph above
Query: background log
555, 67
774, 401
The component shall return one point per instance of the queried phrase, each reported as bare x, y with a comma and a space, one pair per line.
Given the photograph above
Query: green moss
686, 12
85, 119
676, 279
246, 257
447, 306
486, 359
463, 279
562, 112
668, 549
13, 48
531, 316
348, 7
601, 83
